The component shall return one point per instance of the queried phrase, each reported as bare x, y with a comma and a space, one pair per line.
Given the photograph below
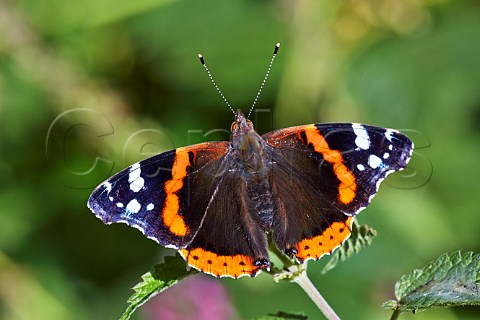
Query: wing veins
214, 194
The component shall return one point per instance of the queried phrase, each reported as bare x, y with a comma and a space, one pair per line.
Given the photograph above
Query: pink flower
198, 297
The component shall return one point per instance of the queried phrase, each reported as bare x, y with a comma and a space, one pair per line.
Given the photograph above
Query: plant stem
298, 273
304, 282
287, 263
395, 314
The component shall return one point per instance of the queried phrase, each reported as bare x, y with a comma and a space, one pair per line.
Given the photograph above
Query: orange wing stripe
348, 187
331, 238
218, 265
170, 214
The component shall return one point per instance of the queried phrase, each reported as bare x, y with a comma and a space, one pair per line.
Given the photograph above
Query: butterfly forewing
164, 196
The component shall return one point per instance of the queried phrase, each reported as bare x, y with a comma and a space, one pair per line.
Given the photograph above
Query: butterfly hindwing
231, 240
332, 171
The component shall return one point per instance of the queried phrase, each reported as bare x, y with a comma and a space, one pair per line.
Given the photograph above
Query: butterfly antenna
277, 46
214, 83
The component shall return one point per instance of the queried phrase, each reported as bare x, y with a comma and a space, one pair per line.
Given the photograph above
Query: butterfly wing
189, 199
323, 175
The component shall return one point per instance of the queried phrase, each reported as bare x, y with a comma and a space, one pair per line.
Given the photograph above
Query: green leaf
362, 236
283, 316
451, 280
162, 277
172, 269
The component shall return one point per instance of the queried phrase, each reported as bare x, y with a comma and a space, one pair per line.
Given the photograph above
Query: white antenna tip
201, 58
277, 46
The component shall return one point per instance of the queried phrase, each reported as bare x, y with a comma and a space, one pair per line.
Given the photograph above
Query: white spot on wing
390, 147
386, 155
110, 198
374, 161
150, 207
360, 167
108, 186
133, 206
136, 182
362, 141
388, 134
119, 204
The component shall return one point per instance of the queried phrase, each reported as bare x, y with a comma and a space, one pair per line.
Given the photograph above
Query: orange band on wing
348, 187
220, 266
331, 238
171, 209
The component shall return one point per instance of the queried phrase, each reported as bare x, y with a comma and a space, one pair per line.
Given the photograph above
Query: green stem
395, 314
298, 274
304, 282
283, 258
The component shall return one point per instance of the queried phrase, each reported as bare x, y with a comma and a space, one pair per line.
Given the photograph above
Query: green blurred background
89, 87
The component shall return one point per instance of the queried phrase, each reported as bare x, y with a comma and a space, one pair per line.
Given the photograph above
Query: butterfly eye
233, 126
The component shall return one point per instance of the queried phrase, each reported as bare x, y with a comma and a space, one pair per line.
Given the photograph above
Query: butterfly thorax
248, 149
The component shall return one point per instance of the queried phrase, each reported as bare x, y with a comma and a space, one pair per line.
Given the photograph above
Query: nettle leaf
162, 277
451, 280
283, 316
361, 237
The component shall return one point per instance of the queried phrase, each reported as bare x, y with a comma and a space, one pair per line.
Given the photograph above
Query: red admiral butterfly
215, 202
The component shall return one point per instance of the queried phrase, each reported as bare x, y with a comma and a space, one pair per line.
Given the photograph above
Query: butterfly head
246, 143
241, 125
